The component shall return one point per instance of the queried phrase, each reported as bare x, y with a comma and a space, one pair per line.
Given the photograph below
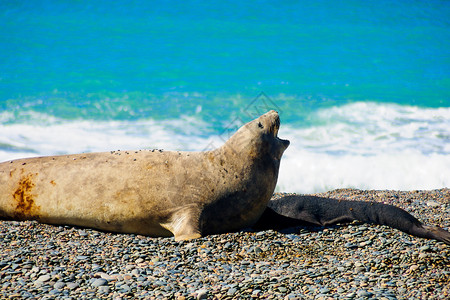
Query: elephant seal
294, 210
154, 193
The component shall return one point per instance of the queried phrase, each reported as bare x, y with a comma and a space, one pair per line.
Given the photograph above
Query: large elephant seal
293, 210
154, 193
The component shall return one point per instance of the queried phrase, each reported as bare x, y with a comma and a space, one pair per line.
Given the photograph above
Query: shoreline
355, 261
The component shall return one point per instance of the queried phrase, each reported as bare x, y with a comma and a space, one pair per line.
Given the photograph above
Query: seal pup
295, 210
153, 193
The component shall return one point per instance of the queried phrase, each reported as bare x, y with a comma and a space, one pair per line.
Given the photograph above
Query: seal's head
249, 164
260, 137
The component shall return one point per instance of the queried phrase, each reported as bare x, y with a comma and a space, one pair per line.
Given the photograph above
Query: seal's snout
270, 121
276, 125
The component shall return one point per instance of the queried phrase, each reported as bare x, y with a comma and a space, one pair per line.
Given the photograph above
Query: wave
368, 145
47, 135
304, 171
361, 145
367, 128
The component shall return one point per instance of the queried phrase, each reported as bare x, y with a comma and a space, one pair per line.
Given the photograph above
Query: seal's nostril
260, 125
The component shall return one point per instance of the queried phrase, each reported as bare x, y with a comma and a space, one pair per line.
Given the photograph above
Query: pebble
44, 278
72, 285
202, 294
104, 289
433, 203
351, 261
59, 285
424, 248
99, 282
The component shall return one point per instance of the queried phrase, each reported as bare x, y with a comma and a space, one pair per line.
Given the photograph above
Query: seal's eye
260, 125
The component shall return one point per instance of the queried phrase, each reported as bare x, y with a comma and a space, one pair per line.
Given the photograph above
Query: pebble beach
351, 261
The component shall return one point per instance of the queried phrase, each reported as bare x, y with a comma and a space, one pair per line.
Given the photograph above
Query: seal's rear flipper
295, 210
432, 232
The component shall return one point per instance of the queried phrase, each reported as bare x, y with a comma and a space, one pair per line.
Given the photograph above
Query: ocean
362, 87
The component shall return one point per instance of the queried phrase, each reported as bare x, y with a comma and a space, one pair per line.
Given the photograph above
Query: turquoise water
353, 80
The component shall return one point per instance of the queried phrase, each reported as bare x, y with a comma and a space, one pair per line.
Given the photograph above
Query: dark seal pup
295, 210
154, 193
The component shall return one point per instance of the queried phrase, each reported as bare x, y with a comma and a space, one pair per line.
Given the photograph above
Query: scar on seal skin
154, 193
24, 198
296, 210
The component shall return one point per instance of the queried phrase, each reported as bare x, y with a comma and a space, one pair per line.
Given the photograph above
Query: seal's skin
294, 210
152, 192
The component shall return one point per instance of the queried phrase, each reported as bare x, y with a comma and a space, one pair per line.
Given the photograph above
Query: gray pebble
202, 294
59, 285
363, 293
82, 257
424, 248
350, 295
72, 285
44, 278
99, 282
232, 291
104, 289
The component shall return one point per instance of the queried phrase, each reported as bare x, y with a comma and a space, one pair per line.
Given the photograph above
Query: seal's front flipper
184, 224
186, 237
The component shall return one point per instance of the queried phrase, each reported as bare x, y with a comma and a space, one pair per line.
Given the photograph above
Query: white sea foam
369, 146
360, 145
304, 171
46, 135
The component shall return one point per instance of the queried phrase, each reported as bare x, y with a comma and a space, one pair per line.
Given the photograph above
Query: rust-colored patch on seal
24, 198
